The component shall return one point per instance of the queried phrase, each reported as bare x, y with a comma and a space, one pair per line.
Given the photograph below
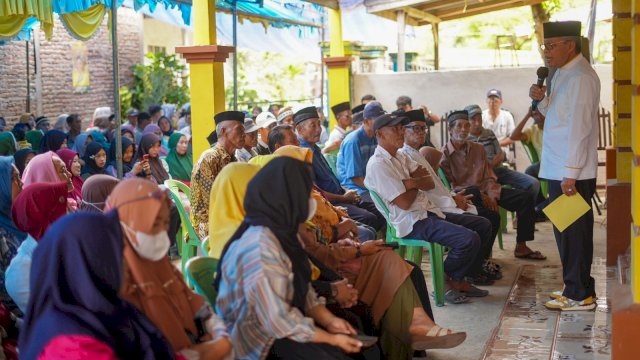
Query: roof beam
421, 15
332, 4
486, 7
374, 6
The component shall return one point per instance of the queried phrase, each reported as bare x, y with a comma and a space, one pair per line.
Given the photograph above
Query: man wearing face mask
465, 165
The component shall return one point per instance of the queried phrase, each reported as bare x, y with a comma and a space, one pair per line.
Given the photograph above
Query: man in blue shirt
356, 149
308, 129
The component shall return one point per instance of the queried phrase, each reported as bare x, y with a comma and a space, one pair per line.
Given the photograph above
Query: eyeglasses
551, 46
416, 128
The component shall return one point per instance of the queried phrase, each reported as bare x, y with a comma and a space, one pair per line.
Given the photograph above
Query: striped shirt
255, 295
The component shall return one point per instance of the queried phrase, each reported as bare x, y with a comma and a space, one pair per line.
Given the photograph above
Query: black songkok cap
229, 116
358, 108
337, 109
415, 115
457, 115
561, 29
358, 118
303, 114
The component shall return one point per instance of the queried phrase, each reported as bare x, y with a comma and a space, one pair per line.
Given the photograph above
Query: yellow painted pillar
337, 65
206, 74
635, 147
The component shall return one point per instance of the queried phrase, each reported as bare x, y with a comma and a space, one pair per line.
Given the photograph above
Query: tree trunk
540, 16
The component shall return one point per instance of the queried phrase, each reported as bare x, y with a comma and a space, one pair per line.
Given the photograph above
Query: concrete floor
480, 317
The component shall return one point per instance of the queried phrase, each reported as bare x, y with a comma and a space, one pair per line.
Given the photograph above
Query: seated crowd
297, 217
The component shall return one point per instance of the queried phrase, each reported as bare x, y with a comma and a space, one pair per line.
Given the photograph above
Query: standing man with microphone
569, 154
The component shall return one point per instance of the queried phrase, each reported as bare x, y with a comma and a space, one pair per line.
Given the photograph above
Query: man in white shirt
569, 154
265, 122
456, 206
402, 184
498, 120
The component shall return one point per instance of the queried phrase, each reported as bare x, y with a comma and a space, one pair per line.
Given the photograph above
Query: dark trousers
533, 170
575, 245
518, 180
521, 202
287, 349
492, 216
464, 244
365, 212
483, 228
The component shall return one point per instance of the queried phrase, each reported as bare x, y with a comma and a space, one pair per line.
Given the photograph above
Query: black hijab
21, 158
281, 206
113, 160
52, 140
90, 166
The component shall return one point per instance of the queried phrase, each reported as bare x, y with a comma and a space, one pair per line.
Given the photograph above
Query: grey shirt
487, 139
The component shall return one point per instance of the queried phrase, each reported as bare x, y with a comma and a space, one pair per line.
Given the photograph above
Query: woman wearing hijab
95, 192
34, 137
166, 127
75, 310
179, 160
97, 136
37, 207
129, 166
150, 145
81, 142
46, 168
10, 236
151, 282
155, 129
61, 123
128, 131
7, 144
71, 160
269, 311
53, 140
395, 289
22, 158
225, 206
95, 160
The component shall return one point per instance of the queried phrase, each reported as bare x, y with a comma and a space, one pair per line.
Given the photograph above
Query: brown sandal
532, 255
437, 338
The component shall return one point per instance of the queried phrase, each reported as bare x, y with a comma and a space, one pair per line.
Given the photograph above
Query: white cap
265, 119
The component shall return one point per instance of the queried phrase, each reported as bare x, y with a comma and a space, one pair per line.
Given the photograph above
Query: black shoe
491, 270
480, 280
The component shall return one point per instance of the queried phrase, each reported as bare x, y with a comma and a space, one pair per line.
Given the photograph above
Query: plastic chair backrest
332, 160
531, 152
201, 271
391, 231
184, 217
175, 185
444, 179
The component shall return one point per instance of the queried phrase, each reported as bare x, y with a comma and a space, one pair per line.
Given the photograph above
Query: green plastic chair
332, 159
201, 270
503, 221
205, 245
187, 247
534, 158
411, 249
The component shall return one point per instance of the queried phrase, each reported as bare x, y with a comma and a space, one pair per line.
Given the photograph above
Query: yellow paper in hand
565, 210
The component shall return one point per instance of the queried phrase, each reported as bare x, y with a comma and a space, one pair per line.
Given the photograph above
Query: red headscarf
38, 206
67, 156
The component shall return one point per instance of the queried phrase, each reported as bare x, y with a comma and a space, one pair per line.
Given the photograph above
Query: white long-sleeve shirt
570, 141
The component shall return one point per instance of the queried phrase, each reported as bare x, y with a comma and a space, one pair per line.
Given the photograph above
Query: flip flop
533, 255
437, 338
474, 292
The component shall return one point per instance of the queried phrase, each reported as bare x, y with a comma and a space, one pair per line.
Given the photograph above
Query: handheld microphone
542, 73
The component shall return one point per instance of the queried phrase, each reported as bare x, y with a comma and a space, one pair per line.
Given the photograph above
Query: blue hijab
6, 172
75, 280
52, 140
80, 144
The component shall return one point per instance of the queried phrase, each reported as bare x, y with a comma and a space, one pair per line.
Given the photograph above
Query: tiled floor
527, 330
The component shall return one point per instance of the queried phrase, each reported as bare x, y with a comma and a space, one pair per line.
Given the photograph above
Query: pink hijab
41, 170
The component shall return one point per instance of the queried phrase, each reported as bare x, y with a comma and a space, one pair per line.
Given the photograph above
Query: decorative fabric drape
14, 15
82, 25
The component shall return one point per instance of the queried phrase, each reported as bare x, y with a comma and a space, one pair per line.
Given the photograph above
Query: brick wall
57, 95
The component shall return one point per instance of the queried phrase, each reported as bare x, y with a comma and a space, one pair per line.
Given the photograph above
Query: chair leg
595, 202
503, 220
500, 240
437, 272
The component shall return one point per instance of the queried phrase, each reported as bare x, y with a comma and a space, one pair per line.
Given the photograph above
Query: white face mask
313, 206
150, 246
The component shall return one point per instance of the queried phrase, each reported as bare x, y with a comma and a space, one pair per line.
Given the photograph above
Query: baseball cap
264, 119
373, 110
473, 110
132, 112
389, 120
494, 92
250, 126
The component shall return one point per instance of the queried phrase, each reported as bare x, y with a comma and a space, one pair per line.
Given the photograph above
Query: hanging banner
80, 72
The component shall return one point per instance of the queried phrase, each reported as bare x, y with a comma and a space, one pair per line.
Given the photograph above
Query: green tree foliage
160, 81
